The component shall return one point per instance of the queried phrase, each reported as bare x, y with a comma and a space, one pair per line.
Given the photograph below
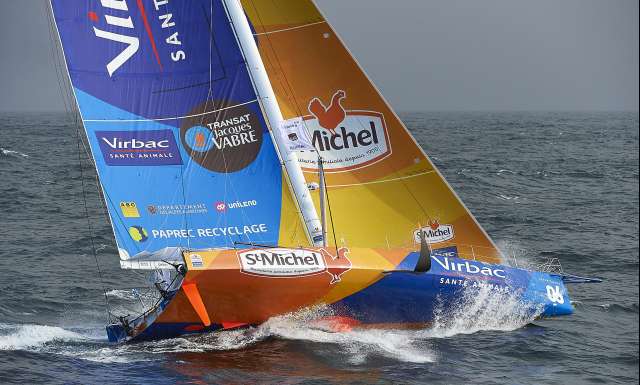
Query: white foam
480, 308
122, 294
12, 153
300, 326
483, 308
26, 337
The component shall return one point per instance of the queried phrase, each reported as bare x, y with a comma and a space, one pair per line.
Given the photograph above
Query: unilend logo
226, 141
223, 206
139, 148
434, 233
346, 139
125, 32
292, 263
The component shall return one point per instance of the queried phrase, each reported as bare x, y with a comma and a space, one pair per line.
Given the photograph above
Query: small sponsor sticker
129, 210
434, 233
196, 260
138, 233
449, 252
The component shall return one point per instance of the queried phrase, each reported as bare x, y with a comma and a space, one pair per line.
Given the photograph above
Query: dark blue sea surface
551, 184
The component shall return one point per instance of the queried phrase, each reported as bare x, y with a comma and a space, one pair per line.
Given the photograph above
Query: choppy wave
481, 308
11, 153
30, 337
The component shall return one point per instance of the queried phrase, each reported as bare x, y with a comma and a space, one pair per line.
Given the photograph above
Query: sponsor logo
138, 233
224, 141
434, 233
290, 263
555, 294
346, 139
210, 232
196, 260
139, 148
223, 206
449, 252
125, 32
468, 267
129, 210
178, 209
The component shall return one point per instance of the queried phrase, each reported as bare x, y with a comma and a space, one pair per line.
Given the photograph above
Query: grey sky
423, 54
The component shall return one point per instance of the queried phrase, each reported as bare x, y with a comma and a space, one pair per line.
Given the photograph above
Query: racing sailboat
245, 155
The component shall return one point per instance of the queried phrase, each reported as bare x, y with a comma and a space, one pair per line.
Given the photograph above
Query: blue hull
404, 297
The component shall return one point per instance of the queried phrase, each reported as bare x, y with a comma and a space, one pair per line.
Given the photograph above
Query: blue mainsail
184, 155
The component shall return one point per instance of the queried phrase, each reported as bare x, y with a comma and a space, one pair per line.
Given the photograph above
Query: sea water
553, 184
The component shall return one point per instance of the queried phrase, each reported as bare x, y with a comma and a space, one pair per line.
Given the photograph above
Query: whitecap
6, 152
28, 337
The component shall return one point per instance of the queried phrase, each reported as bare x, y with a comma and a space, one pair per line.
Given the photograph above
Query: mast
323, 197
273, 115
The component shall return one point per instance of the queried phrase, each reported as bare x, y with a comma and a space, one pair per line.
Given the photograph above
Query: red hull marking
233, 325
149, 33
193, 295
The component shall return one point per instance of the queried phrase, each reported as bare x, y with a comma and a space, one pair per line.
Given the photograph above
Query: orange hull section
235, 292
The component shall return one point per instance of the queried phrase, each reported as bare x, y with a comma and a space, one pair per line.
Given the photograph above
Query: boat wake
480, 309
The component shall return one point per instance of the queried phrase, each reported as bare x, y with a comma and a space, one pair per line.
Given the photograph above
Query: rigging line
406, 187
333, 227
66, 96
64, 93
260, 103
287, 87
289, 29
284, 81
86, 210
99, 188
381, 181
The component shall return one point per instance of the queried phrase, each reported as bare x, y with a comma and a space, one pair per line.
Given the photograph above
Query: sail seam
381, 181
291, 28
172, 118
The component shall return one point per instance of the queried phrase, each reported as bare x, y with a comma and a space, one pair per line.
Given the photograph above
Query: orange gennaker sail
382, 187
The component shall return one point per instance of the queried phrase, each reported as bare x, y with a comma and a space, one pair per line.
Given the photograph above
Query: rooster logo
338, 265
329, 117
